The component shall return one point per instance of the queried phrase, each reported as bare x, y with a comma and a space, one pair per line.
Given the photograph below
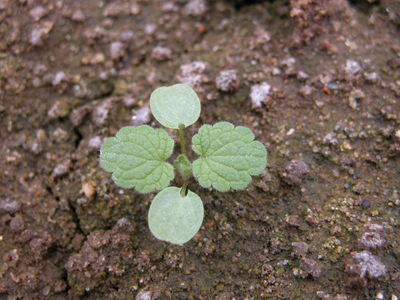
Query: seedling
137, 157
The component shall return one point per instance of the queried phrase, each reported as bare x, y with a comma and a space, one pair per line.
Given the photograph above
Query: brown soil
73, 72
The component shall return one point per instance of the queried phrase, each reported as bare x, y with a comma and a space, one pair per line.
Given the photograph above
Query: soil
321, 222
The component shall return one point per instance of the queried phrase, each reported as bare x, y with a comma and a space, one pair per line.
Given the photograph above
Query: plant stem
182, 139
183, 150
183, 189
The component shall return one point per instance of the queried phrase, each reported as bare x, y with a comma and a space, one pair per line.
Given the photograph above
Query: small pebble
135, 9
58, 78
126, 35
310, 267
372, 77
95, 143
39, 33
276, 71
115, 9
116, 50
362, 266
366, 203
330, 139
17, 224
227, 81
161, 53
224, 296
302, 76
61, 169
379, 296
35, 146
78, 16
59, 110
193, 74
149, 29
46, 290
333, 86
371, 237
100, 112
397, 135
77, 115
11, 207
98, 58
39, 69
296, 171
300, 249
195, 8
169, 7
129, 101
293, 220
266, 269
149, 293
352, 66
346, 146
142, 116
88, 190
306, 91
355, 95
261, 36
258, 94
38, 12
288, 62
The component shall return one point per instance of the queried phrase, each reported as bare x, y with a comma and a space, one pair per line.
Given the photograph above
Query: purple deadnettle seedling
228, 157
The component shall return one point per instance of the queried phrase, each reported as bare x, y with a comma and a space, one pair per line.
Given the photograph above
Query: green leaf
229, 155
174, 218
136, 156
183, 166
174, 105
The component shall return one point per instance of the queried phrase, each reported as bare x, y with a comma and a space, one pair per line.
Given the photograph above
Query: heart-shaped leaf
175, 105
229, 155
136, 156
174, 218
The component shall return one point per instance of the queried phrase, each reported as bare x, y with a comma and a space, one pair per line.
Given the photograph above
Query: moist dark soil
318, 82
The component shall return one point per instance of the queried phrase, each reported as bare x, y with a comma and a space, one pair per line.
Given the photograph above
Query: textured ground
318, 82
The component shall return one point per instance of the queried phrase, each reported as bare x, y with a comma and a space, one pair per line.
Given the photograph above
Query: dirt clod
310, 267
227, 81
296, 171
371, 237
362, 266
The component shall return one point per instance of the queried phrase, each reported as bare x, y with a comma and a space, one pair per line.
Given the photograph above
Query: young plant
229, 156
